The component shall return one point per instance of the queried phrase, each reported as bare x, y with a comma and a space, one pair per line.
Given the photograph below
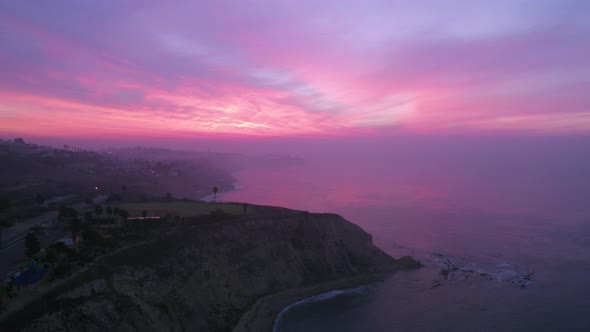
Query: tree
116, 211
144, 213
123, 190
90, 235
75, 227
51, 254
98, 210
123, 213
62, 211
88, 216
39, 199
109, 210
61, 247
5, 203
113, 197
32, 245
3, 224
72, 213
215, 190
67, 213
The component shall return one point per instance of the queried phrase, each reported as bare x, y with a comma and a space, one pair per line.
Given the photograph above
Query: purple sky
133, 69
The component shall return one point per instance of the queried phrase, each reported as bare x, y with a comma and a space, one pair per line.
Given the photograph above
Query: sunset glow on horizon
293, 68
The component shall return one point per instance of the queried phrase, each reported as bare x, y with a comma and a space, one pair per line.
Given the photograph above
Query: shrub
61, 270
51, 254
32, 245
61, 247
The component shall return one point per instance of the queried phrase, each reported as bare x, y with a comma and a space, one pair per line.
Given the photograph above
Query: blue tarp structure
29, 276
67, 241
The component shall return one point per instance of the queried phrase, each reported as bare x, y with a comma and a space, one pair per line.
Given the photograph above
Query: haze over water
455, 131
503, 208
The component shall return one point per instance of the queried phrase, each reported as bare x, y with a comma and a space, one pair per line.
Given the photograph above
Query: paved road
11, 257
19, 230
13, 251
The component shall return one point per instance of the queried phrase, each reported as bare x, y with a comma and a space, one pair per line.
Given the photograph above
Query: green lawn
182, 208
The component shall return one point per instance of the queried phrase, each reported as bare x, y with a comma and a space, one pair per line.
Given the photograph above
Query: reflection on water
513, 237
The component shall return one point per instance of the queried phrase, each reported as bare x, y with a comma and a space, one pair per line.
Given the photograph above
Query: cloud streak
294, 67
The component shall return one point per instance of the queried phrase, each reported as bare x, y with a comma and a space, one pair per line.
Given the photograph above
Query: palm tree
98, 210
215, 190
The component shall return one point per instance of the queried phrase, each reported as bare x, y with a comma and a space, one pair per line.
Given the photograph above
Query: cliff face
205, 277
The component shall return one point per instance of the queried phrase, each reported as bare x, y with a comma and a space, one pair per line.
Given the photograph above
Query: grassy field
183, 208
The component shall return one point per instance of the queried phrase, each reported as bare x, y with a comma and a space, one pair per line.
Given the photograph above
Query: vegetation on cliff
204, 276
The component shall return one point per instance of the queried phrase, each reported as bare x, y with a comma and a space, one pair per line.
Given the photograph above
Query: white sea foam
314, 299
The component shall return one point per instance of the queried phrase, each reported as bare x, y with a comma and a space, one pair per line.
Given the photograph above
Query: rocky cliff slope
207, 277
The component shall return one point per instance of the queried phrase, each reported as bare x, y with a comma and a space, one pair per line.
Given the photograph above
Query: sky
249, 68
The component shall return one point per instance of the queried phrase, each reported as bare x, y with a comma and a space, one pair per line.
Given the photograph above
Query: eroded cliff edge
233, 275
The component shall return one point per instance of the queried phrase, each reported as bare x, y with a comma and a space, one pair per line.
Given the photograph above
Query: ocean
504, 232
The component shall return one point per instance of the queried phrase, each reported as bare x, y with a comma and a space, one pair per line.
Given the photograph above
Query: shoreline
263, 314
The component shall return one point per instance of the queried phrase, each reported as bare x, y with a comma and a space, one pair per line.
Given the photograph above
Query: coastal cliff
231, 275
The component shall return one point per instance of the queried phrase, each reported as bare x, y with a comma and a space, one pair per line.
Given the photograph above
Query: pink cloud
294, 68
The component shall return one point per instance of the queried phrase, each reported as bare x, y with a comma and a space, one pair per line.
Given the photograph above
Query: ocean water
504, 233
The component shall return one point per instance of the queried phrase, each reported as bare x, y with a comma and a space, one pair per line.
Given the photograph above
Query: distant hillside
227, 161
29, 170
